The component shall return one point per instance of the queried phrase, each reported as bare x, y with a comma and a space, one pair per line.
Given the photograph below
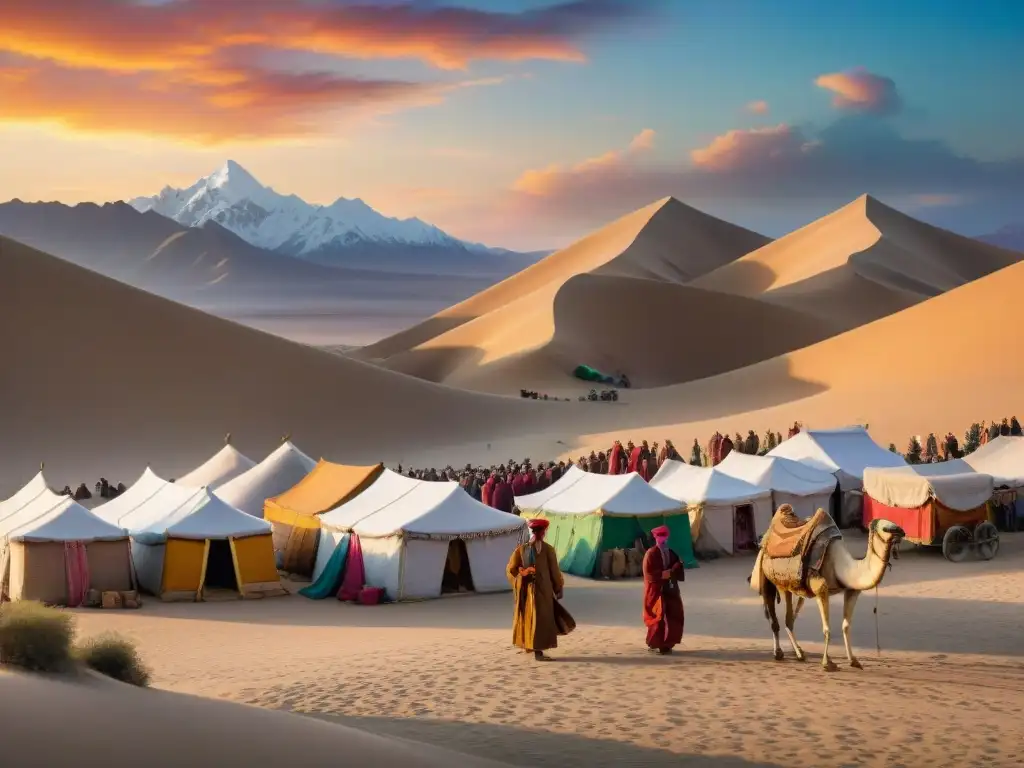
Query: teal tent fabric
586, 373
330, 580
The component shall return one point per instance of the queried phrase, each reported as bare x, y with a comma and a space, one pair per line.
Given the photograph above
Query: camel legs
849, 602
822, 597
791, 614
769, 610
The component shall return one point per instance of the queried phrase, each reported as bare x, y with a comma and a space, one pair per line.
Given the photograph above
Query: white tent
36, 528
405, 528
846, 453
187, 540
225, 465
800, 485
281, 470
913, 486
1003, 458
724, 510
582, 493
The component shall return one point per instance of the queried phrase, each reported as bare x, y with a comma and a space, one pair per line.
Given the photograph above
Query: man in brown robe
663, 603
537, 586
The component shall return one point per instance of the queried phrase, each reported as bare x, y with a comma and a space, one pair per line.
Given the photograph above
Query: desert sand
107, 379
944, 690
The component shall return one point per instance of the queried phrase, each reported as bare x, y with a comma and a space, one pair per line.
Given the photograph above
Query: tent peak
286, 438
227, 439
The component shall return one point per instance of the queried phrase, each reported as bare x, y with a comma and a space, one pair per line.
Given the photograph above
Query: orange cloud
742, 148
242, 105
544, 181
197, 69
759, 107
129, 36
862, 91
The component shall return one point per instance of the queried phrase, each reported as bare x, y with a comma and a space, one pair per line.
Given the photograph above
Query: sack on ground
605, 568
618, 563
93, 599
131, 599
634, 563
112, 600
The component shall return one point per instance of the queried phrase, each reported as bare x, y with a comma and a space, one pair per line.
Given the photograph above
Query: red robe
663, 604
488, 490
613, 459
502, 497
634, 460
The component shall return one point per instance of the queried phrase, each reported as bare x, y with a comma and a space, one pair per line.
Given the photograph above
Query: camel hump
789, 536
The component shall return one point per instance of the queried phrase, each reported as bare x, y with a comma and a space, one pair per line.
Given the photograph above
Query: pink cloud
545, 181
861, 91
743, 148
759, 107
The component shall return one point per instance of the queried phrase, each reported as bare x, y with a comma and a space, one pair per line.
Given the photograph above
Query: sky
526, 124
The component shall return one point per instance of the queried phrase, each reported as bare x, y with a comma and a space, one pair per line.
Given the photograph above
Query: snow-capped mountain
235, 200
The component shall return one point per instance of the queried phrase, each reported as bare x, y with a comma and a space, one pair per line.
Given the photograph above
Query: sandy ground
947, 688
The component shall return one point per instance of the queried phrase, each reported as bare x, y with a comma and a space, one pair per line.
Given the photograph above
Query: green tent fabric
579, 539
587, 373
330, 580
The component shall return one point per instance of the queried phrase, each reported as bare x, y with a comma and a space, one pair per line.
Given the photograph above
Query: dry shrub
114, 656
36, 637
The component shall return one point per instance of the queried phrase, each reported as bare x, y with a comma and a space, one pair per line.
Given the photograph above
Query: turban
660, 533
538, 524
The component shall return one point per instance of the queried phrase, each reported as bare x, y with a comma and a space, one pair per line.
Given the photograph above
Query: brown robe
534, 626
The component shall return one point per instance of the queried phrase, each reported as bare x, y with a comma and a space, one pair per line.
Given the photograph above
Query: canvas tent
54, 550
187, 542
281, 470
846, 453
295, 514
925, 499
727, 515
407, 528
223, 466
591, 513
800, 485
1003, 458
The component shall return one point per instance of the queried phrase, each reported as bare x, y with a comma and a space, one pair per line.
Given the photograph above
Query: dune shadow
531, 747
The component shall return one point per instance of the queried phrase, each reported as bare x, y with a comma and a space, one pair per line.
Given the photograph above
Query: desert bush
114, 656
36, 637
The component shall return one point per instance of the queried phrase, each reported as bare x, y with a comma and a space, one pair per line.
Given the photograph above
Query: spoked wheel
956, 543
986, 539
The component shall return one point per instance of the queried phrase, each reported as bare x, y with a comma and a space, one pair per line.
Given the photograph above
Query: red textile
502, 497
522, 485
919, 522
487, 491
613, 459
76, 566
355, 574
663, 604
634, 460
724, 449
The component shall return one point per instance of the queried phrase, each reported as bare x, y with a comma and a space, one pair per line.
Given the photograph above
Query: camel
815, 563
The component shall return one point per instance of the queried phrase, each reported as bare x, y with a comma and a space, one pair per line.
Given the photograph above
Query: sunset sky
525, 123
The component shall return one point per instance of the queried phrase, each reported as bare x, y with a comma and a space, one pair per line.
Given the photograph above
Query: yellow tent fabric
327, 486
184, 568
185, 562
294, 513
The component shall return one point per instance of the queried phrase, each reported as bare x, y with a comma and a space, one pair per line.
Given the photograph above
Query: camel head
889, 534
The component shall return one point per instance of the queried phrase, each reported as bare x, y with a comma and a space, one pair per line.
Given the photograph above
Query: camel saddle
794, 549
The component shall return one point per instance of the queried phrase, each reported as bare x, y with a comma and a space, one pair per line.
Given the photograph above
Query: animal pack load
793, 549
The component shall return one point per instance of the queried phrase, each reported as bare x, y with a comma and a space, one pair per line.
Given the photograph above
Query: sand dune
666, 242
939, 365
120, 727
859, 263
102, 379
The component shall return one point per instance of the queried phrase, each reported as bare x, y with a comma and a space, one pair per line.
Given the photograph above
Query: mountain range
345, 233
1011, 236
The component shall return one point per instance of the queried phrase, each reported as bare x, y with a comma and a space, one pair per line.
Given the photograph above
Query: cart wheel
955, 543
986, 539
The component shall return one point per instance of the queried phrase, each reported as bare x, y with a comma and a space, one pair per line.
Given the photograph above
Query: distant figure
696, 457
487, 492
1004, 428
502, 498
82, 493
663, 603
724, 449
635, 457
537, 586
795, 429
1015, 430
752, 444
614, 458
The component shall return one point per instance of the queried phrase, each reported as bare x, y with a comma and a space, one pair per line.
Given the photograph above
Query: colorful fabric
332, 576
355, 573
76, 567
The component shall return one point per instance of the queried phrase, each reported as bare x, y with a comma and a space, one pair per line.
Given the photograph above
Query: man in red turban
537, 586
663, 603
